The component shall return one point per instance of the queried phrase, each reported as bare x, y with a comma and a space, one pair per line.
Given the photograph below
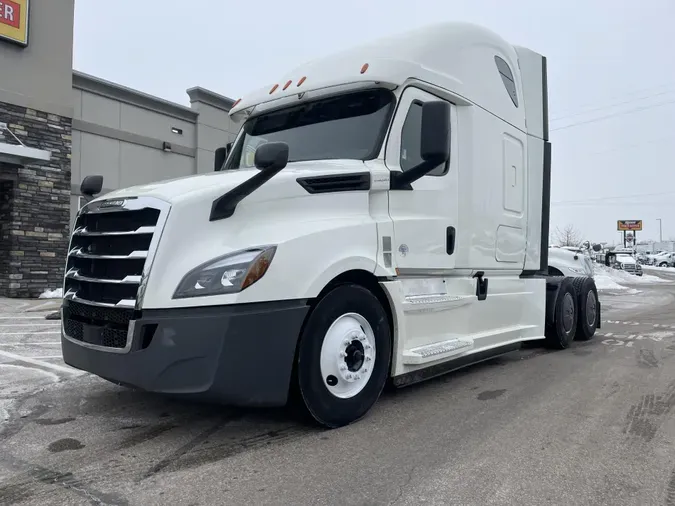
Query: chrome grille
110, 255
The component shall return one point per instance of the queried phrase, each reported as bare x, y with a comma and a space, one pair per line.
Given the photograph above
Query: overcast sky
611, 75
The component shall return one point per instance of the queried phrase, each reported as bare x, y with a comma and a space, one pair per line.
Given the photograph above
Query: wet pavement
589, 425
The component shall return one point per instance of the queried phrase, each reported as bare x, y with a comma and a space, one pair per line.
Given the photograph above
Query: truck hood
214, 183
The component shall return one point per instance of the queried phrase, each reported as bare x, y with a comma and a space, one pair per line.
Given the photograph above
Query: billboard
624, 225
14, 21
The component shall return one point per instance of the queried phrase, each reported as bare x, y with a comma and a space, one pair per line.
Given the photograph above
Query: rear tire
344, 356
560, 334
587, 304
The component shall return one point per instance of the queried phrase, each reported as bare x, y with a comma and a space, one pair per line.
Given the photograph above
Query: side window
411, 141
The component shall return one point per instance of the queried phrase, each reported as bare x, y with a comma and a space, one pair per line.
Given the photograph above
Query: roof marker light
302, 80
287, 84
274, 88
235, 104
364, 68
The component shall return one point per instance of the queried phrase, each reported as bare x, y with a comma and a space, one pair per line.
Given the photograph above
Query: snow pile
654, 268
613, 279
604, 280
52, 294
645, 279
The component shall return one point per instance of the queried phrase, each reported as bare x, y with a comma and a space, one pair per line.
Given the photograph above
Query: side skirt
452, 365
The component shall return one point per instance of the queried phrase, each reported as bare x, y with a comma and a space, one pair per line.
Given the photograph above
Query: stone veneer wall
34, 204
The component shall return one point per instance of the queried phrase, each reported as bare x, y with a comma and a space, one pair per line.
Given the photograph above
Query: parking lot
589, 425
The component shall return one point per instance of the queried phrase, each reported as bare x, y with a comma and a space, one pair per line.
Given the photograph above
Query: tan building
58, 126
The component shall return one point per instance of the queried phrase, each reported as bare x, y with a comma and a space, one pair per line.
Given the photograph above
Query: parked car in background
627, 263
643, 259
665, 259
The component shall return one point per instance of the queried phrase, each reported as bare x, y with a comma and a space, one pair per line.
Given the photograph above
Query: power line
601, 199
625, 147
608, 116
623, 205
669, 85
609, 106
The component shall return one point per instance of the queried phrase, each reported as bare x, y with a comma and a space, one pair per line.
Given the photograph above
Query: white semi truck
383, 214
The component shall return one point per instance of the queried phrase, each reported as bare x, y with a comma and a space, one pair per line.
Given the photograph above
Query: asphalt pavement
591, 425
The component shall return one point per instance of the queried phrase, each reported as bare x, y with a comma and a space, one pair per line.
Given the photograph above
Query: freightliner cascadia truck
382, 215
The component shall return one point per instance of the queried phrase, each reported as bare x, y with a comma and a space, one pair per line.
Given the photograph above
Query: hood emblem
112, 203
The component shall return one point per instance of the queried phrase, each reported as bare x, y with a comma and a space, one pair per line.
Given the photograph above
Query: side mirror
220, 157
272, 156
91, 185
434, 144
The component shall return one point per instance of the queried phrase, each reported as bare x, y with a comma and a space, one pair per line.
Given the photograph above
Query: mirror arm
404, 180
225, 205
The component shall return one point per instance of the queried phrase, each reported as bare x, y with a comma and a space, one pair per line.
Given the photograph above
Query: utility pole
660, 230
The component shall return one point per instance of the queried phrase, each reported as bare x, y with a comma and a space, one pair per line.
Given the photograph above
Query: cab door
424, 218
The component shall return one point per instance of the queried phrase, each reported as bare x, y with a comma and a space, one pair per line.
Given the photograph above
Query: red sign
10, 13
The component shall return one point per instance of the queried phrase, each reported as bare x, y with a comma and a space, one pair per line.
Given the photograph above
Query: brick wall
34, 204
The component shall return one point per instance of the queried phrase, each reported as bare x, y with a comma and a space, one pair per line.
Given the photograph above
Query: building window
411, 141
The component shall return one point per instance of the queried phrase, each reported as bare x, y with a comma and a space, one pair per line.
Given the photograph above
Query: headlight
230, 273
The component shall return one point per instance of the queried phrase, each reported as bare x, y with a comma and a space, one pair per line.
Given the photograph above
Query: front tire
344, 356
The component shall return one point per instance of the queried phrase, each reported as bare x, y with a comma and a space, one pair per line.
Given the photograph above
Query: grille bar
125, 303
75, 274
140, 230
79, 253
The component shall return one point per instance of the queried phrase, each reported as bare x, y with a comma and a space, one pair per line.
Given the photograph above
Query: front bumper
238, 355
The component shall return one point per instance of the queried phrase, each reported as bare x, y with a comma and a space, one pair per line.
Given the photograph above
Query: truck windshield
350, 126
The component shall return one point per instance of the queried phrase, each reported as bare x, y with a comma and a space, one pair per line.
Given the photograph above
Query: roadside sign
625, 225
14, 21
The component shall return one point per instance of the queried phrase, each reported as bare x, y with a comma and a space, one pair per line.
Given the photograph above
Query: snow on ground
607, 278
653, 268
605, 281
52, 294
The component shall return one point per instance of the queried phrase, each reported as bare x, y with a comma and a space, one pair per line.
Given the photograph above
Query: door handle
450, 240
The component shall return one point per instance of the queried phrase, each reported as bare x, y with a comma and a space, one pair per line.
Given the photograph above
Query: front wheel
663, 264
344, 356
